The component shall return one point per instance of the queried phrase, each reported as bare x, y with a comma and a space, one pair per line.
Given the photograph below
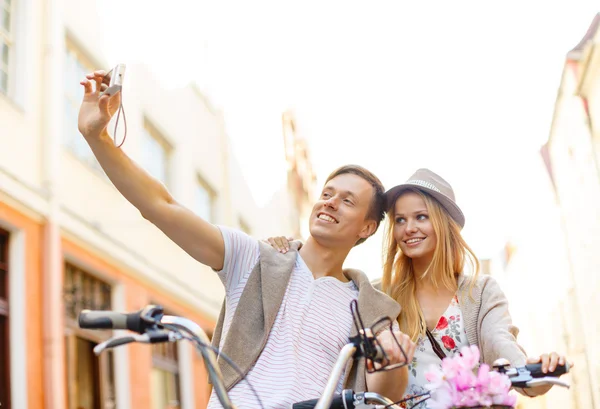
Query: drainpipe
52, 80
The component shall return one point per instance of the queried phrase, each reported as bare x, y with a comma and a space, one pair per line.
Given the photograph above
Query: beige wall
44, 184
578, 190
91, 211
196, 137
573, 150
552, 284
533, 271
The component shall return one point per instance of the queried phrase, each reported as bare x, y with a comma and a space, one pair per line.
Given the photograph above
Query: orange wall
33, 303
137, 295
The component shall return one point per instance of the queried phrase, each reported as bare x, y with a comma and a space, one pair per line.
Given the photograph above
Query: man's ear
369, 228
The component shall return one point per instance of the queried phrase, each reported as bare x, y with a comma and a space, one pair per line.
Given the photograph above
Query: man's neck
324, 261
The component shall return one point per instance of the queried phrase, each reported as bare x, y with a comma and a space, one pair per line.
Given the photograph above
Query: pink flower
483, 376
485, 400
465, 380
460, 384
441, 398
450, 367
467, 398
469, 356
498, 384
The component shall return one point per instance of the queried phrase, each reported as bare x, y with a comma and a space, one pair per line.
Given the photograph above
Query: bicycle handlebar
153, 327
536, 370
531, 375
528, 376
138, 321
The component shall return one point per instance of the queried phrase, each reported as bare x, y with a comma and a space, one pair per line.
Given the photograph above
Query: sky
464, 88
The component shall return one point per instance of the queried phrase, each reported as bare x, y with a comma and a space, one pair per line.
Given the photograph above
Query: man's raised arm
196, 236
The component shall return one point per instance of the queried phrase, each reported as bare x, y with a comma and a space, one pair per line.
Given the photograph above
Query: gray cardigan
260, 302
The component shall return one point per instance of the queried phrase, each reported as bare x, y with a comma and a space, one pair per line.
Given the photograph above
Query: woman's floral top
450, 335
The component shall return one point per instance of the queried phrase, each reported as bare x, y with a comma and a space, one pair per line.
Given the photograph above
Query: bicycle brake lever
548, 380
120, 340
147, 338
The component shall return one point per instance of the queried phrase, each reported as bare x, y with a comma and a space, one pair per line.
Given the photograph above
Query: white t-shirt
312, 325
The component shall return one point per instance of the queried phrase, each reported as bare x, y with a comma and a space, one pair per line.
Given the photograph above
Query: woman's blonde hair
449, 259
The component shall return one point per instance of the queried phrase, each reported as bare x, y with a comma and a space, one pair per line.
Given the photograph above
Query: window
165, 376
6, 44
4, 336
90, 378
204, 200
155, 154
76, 67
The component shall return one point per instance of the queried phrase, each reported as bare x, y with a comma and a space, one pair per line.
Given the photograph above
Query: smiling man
285, 316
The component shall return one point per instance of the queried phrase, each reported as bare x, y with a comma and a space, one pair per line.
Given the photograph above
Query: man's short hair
377, 207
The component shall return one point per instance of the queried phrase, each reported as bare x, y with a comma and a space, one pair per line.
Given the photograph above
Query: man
285, 316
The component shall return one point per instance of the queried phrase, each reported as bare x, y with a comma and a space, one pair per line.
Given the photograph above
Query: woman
443, 308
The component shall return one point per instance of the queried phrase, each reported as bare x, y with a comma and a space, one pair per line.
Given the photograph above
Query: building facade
69, 241
550, 273
572, 155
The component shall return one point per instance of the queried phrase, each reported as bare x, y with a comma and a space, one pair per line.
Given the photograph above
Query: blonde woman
443, 308
425, 270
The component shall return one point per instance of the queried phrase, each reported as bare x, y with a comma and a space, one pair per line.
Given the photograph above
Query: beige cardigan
487, 320
260, 302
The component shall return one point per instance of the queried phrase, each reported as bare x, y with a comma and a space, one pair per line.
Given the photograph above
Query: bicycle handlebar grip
336, 403
108, 320
536, 370
307, 404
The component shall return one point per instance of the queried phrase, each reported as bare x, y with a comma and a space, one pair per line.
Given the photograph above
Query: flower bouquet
460, 384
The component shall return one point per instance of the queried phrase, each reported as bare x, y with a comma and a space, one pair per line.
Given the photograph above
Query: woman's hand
280, 243
549, 361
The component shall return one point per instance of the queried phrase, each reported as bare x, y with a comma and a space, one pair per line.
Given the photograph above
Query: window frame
104, 363
8, 39
201, 182
73, 50
151, 131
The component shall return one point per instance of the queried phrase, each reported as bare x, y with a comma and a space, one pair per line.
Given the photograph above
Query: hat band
424, 184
